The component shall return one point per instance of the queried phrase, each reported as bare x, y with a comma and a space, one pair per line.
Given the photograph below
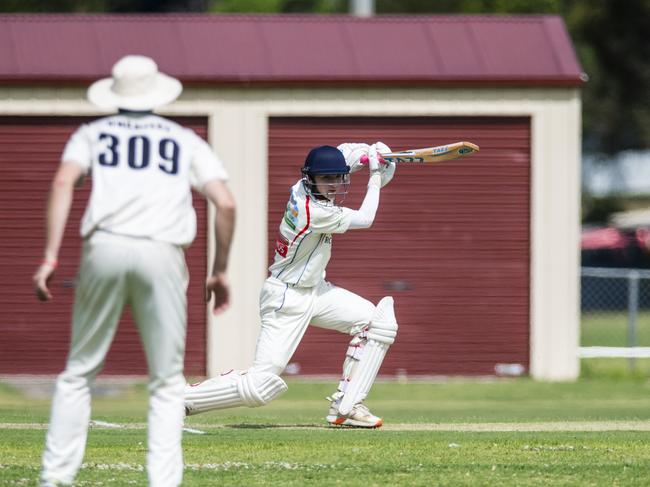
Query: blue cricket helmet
325, 160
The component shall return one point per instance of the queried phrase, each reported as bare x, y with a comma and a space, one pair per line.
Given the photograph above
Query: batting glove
373, 159
353, 154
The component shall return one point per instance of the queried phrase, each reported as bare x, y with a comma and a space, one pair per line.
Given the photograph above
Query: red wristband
52, 263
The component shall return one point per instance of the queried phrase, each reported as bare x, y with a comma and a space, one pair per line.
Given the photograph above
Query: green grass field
609, 328
478, 433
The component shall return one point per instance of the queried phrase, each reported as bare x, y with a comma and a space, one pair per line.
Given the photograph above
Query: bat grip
365, 160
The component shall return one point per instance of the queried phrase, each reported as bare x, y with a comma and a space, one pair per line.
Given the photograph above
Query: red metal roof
293, 48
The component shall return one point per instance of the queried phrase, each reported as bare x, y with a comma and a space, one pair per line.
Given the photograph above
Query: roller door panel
451, 242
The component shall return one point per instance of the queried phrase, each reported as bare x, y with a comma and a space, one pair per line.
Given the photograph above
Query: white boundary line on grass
559, 426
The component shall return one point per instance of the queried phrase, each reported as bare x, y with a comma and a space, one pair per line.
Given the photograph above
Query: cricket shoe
359, 417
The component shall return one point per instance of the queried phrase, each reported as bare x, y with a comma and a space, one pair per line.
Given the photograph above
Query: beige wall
238, 121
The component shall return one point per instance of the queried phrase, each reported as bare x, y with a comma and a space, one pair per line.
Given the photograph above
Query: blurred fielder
138, 220
297, 294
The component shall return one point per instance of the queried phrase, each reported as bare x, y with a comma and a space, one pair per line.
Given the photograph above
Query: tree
102, 6
615, 44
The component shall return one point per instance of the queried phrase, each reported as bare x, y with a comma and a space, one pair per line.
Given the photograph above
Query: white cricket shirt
304, 246
142, 169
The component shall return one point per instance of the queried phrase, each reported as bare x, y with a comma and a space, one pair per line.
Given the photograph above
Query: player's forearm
217, 192
224, 230
365, 215
58, 210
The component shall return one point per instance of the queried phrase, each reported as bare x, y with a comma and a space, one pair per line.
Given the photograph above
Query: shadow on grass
262, 426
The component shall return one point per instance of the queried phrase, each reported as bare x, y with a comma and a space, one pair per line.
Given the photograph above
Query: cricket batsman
296, 293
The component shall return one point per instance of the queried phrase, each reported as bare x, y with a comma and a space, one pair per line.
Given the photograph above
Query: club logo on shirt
291, 213
282, 245
328, 239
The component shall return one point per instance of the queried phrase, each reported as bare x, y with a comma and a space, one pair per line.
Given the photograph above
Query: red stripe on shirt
308, 221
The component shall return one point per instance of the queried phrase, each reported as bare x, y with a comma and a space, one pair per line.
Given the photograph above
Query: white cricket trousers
151, 277
286, 312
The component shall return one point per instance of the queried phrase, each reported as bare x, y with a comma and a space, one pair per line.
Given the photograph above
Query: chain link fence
615, 313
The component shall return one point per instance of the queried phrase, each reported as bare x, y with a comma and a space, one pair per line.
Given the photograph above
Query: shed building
480, 254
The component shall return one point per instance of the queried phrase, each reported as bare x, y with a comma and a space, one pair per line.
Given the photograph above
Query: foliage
279, 6
598, 210
102, 6
619, 112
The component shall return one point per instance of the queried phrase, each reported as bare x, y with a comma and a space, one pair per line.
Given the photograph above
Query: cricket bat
429, 155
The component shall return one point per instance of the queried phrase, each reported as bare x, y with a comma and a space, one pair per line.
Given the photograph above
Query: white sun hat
136, 84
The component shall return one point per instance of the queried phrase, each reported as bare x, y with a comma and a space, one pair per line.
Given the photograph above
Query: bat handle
364, 160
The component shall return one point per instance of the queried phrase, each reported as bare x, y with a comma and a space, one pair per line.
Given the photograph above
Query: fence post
632, 311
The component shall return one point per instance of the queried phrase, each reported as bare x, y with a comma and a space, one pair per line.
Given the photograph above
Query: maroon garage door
35, 335
450, 242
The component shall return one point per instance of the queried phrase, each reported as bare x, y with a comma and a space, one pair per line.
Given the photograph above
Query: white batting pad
236, 388
381, 335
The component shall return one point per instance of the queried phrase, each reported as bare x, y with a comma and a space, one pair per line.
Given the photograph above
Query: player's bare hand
218, 289
41, 280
